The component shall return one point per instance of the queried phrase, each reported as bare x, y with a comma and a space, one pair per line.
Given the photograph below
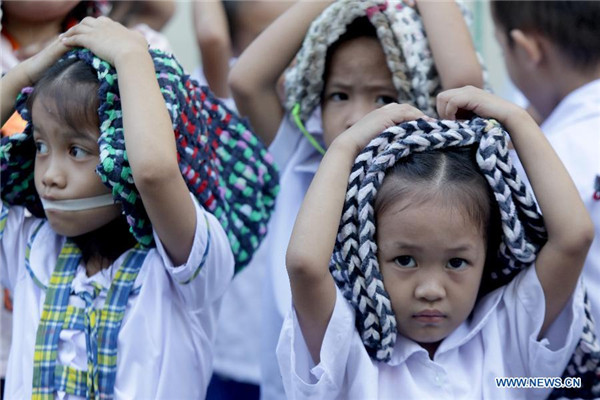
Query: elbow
153, 175
213, 39
587, 234
239, 83
578, 241
300, 265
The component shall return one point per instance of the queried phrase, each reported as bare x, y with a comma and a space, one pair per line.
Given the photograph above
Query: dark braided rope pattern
223, 164
354, 264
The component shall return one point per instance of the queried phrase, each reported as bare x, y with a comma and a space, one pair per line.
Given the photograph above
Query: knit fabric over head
402, 36
225, 166
354, 263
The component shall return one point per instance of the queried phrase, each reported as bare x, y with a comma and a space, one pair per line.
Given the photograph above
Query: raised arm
25, 74
451, 44
570, 229
253, 78
149, 137
212, 36
315, 230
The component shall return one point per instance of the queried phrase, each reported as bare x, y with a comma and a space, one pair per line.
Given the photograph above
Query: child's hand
375, 122
107, 39
34, 67
453, 102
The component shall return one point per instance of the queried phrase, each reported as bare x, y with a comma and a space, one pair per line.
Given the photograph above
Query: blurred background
179, 31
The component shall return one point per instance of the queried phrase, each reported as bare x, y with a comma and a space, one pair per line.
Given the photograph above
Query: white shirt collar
406, 348
580, 104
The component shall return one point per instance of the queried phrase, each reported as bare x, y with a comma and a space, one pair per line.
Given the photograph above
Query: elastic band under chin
311, 138
79, 204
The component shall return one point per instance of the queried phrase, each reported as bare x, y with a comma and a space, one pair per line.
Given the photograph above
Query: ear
529, 45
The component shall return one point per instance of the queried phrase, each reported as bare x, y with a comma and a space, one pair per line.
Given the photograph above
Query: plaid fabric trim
51, 323
37, 282
3, 218
101, 328
70, 380
74, 319
111, 317
90, 315
204, 256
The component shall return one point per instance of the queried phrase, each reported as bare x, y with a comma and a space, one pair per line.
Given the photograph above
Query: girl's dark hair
454, 176
570, 25
73, 87
360, 27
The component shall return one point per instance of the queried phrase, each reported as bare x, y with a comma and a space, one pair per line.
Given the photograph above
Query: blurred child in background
552, 54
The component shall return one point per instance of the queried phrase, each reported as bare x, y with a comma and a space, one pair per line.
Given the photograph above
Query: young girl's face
65, 165
431, 257
358, 82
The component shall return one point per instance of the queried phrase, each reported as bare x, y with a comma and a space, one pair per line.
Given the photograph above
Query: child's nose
430, 289
54, 175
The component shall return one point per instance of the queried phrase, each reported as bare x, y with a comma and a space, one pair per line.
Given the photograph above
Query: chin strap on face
79, 204
311, 138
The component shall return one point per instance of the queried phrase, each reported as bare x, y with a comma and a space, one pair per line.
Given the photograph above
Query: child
355, 57
121, 272
552, 53
417, 238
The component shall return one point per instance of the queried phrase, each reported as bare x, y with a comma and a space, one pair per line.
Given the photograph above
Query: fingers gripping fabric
354, 264
223, 163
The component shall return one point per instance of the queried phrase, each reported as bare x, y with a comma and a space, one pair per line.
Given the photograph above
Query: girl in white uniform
348, 58
116, 298
419, 256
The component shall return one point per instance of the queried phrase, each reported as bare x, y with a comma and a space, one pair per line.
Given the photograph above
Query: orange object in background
15, 124
7, 300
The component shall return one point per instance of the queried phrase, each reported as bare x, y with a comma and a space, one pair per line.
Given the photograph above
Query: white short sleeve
16, 230
524, 307
343, 358
209, 269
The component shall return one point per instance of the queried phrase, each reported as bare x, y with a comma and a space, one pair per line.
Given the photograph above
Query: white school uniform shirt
499, 341
166, 337
573, 130
298, 161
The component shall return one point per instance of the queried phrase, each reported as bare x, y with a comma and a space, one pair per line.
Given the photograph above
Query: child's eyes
41, 148
338, 96
78, 152
457, 263
383, 100
405, 261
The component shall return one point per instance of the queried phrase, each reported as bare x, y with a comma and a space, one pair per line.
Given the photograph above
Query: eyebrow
373, 86
70, 134
410, 246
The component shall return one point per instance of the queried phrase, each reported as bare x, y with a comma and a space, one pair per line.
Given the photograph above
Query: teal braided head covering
223, 163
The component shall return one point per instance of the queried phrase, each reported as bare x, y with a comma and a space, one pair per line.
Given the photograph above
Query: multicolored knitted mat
226, 167
354, 264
